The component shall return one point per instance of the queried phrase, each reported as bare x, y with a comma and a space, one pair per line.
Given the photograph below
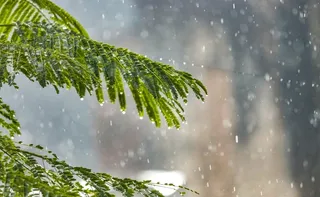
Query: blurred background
257, 134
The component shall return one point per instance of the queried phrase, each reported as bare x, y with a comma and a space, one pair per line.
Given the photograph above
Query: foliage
47, 45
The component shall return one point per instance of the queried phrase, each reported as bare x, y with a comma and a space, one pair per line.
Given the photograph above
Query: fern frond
21, 173
54, 49
8, 120
50, 54
36, 11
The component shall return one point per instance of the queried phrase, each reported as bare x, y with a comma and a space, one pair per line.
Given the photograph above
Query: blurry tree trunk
210, 150
211, 141
262, 163
298, 96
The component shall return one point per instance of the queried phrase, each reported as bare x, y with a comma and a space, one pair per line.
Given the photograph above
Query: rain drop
144, 34
203, 48
267, 77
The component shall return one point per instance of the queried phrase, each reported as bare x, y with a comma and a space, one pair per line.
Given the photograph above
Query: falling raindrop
267, 77
301, 185
313, 179
203, 48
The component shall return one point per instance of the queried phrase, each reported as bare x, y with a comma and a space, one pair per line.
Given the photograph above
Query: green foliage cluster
43, 42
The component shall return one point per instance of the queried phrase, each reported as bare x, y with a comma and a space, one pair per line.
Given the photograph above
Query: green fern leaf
52, 55
36, 11
8, 120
